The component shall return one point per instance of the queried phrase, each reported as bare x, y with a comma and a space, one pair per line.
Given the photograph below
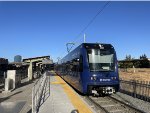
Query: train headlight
94, 77
113, 78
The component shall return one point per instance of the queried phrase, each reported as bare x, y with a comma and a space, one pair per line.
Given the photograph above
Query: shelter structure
36, 65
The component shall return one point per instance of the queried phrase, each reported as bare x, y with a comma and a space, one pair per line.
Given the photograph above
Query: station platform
63, 99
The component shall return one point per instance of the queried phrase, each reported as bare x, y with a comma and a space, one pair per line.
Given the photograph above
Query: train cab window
101, 59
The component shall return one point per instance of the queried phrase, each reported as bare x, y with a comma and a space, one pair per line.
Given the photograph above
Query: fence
137, 89
40, 91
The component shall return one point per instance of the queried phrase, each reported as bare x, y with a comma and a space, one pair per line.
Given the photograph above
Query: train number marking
104, 80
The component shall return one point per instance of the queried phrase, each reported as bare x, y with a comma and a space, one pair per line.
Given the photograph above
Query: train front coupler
108, 90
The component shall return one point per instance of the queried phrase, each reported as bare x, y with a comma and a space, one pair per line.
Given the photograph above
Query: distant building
18, 58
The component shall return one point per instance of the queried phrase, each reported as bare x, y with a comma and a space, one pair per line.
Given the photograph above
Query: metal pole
84, 37
32, 100
35, 102
49, 85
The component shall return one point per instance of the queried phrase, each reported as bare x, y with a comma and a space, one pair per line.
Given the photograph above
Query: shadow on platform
25, 83
45, 97
6, 98
12, 107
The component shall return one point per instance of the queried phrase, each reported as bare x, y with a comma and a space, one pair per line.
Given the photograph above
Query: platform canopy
47, 61
35, 59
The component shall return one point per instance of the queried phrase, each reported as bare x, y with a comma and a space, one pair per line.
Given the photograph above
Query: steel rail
123, 104
96, 104
128, 105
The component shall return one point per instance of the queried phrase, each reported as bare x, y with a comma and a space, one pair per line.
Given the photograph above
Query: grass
141, 74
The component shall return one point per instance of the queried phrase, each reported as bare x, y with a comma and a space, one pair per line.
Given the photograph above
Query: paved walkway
17, 101
63, 99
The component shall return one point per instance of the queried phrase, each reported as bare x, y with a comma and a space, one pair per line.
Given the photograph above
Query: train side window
81, 63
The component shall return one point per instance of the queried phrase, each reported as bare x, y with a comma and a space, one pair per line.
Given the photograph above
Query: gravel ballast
140, 104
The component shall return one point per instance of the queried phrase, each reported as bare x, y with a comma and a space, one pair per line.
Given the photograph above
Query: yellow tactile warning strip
75, 100
57, 83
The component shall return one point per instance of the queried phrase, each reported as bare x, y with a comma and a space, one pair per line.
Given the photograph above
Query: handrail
38, 91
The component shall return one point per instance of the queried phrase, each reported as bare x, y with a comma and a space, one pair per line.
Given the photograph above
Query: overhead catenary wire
90, 22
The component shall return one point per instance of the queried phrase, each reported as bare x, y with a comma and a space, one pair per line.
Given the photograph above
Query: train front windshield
101, 59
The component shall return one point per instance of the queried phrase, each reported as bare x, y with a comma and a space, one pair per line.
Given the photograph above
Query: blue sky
35, 29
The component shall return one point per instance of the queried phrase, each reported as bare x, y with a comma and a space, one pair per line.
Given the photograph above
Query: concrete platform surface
19, 100
63, 98
11, 107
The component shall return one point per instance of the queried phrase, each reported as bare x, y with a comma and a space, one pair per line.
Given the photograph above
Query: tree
144, 63
137, 64
128, 58
143, 56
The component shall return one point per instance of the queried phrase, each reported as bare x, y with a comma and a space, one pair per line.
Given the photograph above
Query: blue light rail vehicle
91, 68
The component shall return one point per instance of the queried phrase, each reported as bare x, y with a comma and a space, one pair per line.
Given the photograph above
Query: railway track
109, 104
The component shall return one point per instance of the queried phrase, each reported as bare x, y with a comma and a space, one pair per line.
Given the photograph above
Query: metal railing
137, 89
40, 89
